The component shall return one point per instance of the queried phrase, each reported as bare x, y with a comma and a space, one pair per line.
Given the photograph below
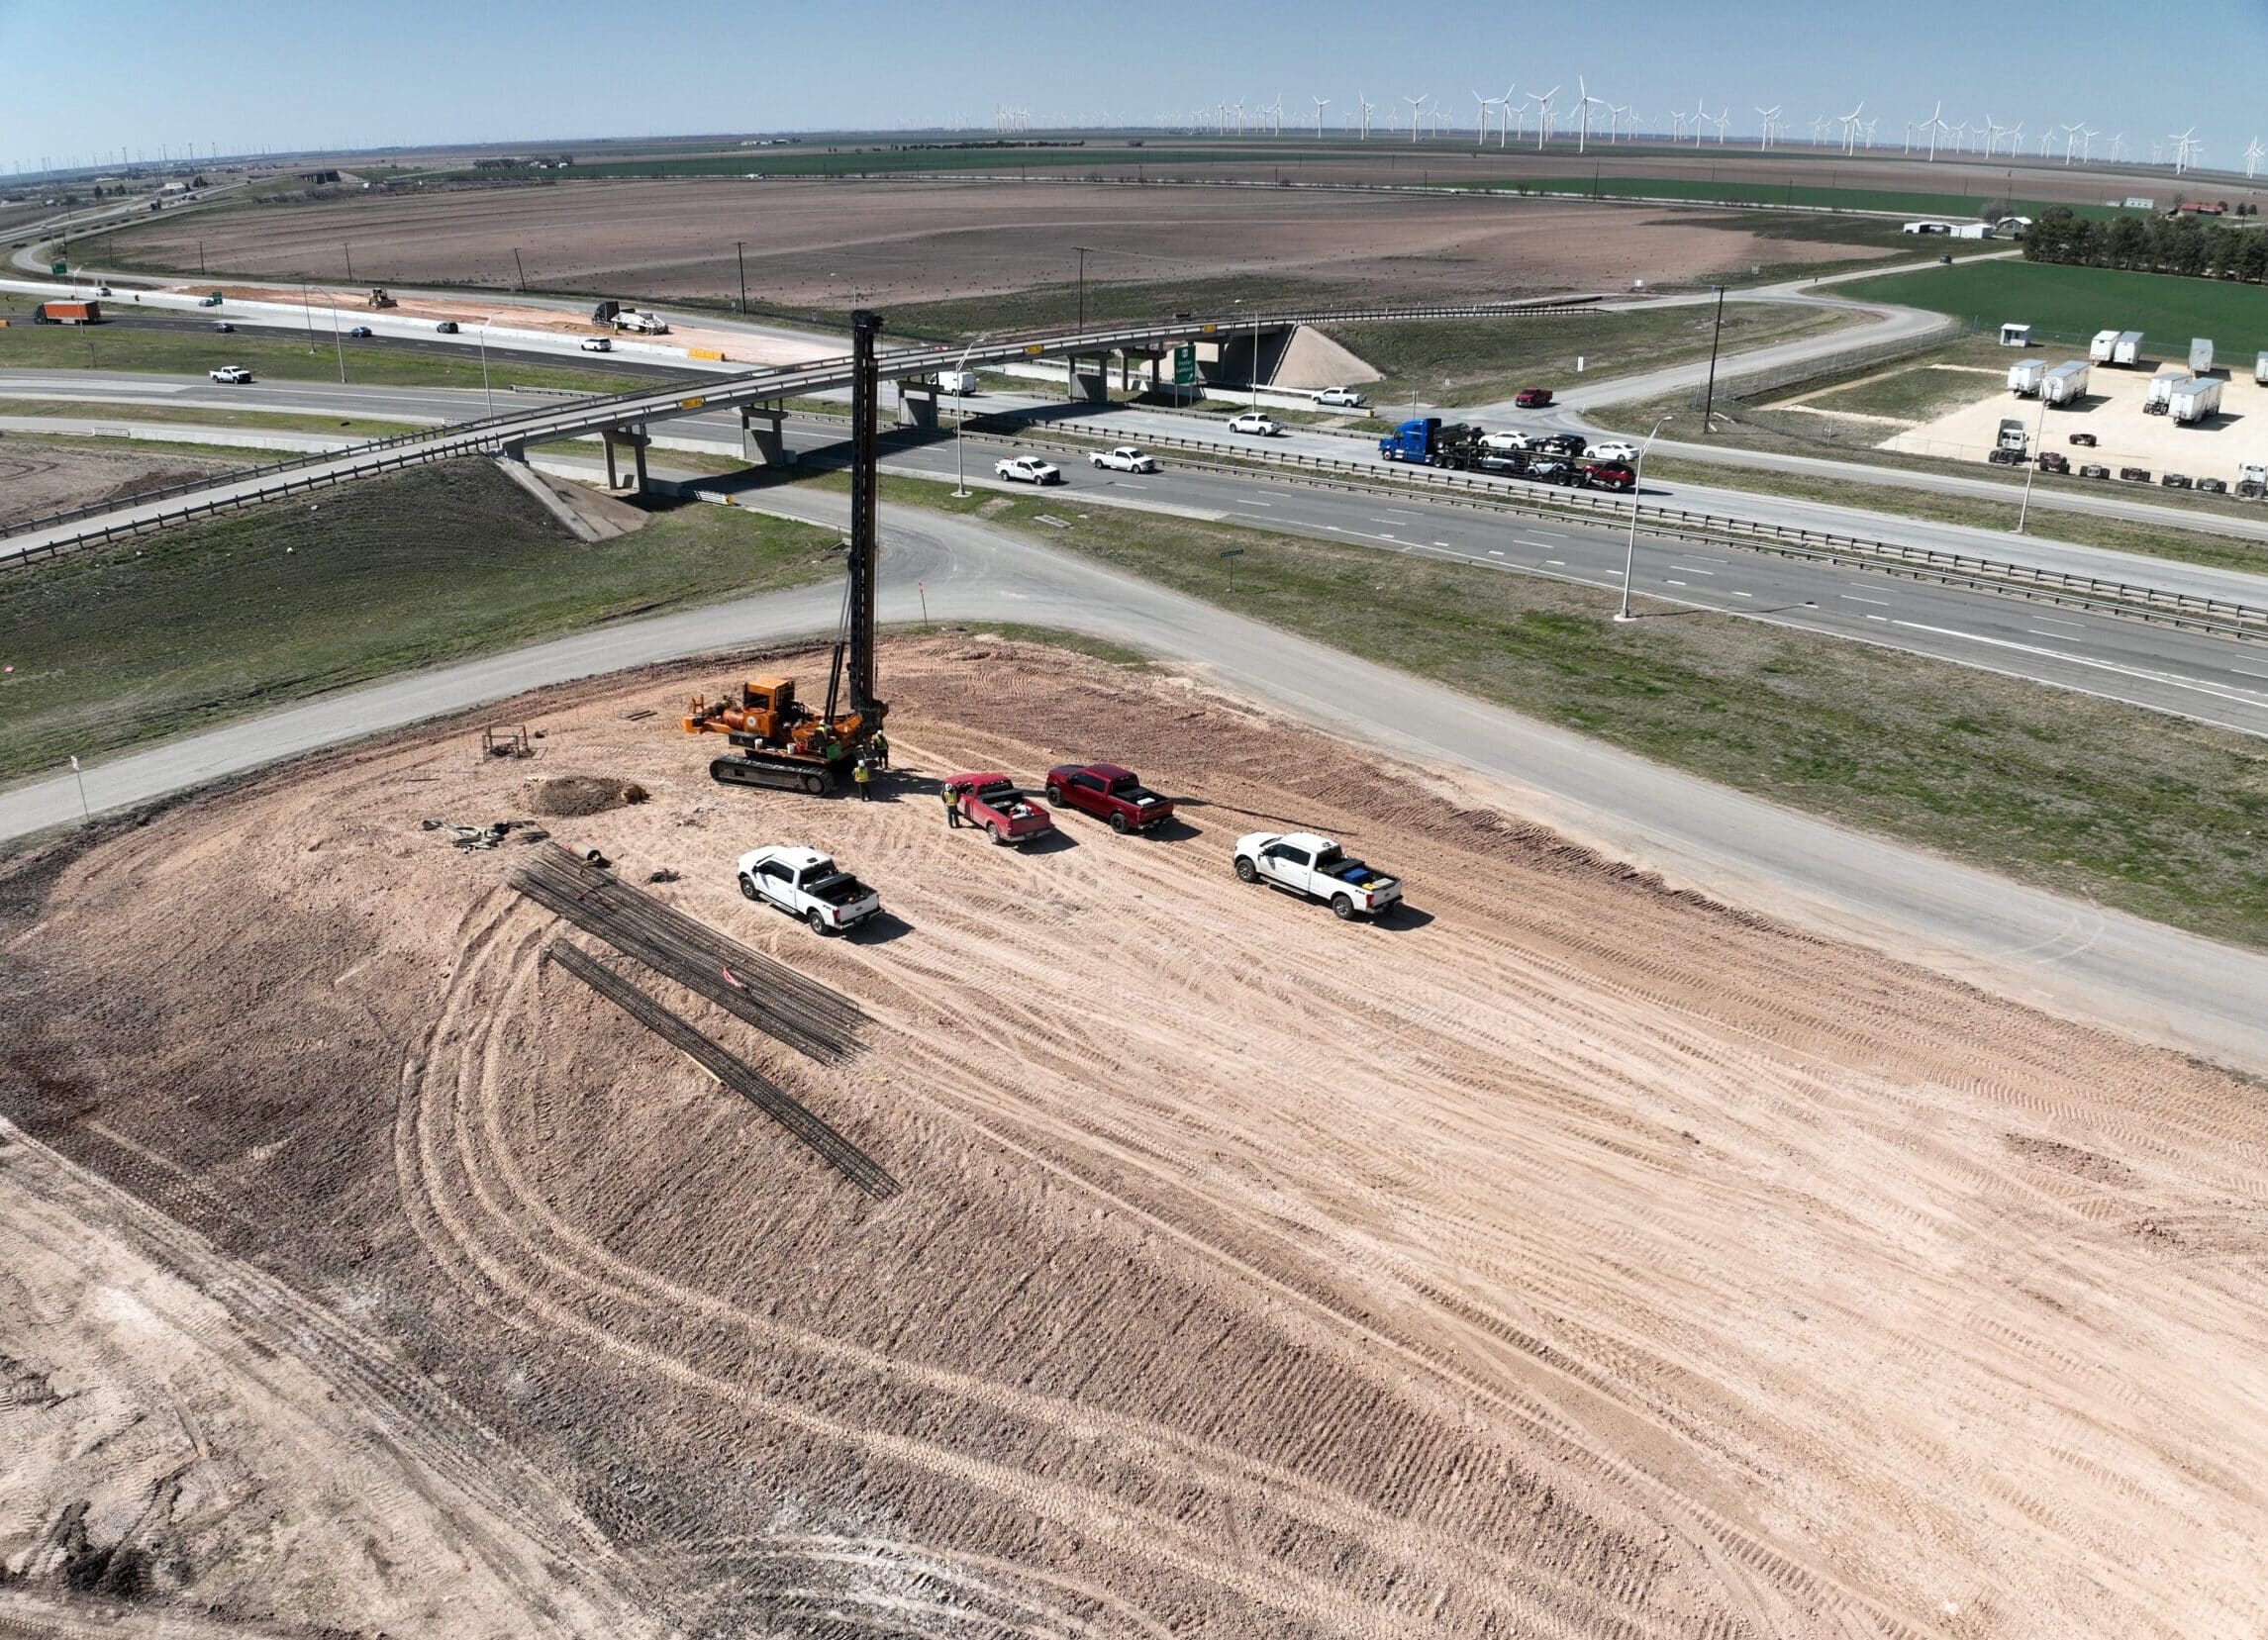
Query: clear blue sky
79, 78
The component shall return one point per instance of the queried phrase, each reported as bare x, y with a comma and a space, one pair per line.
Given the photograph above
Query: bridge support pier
761, 443
631, 438
917, 405
1091, 385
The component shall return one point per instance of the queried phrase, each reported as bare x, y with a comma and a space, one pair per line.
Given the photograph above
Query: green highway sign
59, 269
1185, 364
1233, 552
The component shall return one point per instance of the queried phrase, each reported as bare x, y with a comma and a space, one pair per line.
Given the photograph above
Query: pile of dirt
156, 478
41, 477
574, 796
1565, 1256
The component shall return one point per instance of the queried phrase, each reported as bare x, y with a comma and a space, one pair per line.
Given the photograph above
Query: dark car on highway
359, 331
447, 327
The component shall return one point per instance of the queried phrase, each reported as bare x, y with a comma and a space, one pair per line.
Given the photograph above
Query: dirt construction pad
1565, 1256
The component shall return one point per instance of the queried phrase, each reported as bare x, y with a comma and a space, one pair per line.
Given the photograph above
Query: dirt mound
37, 478
1565, 1255
572, 795
156, 478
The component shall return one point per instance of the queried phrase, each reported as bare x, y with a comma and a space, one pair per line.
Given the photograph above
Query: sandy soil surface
1567, 1256
2112, 412
37, 479
923, 242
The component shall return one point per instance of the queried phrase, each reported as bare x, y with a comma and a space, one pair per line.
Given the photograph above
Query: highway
2153, 982
2209, 679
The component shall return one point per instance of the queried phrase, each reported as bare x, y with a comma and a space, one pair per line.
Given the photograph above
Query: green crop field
2070, 304
807, 162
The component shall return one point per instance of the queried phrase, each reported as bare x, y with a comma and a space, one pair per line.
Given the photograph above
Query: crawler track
808, 1016
832, 1147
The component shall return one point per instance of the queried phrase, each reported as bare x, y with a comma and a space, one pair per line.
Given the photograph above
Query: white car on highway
1612, 449
1347, 396
1251, 421
231, 373
1505, 440
1302, 863
1125, 459
1027, 469
597, 344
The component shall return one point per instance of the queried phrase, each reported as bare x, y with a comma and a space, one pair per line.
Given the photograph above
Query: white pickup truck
1318, 868
805, 883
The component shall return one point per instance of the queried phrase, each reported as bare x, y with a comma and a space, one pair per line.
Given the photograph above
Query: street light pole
741, 255
2031, 463
484, 387
337, 343
1708, 403
1630, 550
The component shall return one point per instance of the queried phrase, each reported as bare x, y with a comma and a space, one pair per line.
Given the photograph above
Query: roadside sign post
1230, 557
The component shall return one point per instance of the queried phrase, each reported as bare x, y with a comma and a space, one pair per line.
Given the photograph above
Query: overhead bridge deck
620, 418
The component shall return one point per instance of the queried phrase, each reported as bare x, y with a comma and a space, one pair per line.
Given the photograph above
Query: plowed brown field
806, 243
1568, 1256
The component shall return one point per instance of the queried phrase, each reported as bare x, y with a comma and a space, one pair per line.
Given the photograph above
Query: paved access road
2062, 953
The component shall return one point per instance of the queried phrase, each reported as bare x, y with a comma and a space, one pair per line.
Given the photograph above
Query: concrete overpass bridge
622, 419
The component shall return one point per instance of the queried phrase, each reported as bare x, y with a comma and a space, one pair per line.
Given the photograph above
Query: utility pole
741, 255
200, 258
350, 250
1709, 402
523, 272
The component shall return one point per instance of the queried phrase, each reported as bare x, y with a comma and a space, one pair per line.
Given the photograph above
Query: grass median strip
194, 626
2152, 814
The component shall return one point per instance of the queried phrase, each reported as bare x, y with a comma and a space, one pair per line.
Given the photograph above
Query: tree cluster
2149, 245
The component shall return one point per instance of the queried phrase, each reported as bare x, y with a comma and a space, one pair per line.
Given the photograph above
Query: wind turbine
1276, 114
1416, 103
2118, 147
2015, 141
1486, 103
1238, 105
2070, 141
1850, 128
1544, 107
1368, 108
1320, 102
2087, 135
1934, 126
2252, 159
2184, 150
1677, 124
1721, 119
1504, 126
1616, 113
1820, 124
1583, 113
1770, 114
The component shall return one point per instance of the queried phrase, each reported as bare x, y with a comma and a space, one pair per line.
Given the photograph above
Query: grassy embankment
2149, 814
188, 628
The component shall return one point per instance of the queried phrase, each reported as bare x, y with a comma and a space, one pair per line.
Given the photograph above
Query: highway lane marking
1669, 582
2246, 670
1445, 544
1561, 562
2200, 686
2050, 621
1883, 602
1263, 503
1743, 594
1690, 570
1494, 553
2037, 632
1878, 617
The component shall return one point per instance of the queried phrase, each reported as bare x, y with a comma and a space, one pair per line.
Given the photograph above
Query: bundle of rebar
783, 1107
809, 1017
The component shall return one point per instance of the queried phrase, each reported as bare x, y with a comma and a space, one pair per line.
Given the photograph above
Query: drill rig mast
781, 743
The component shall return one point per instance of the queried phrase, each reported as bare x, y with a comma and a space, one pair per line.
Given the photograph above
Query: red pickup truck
993, 803
1109, 793
1533, 398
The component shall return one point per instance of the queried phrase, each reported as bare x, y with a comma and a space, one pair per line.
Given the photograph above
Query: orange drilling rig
780, 740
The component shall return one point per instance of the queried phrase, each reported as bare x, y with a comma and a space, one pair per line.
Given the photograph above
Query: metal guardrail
689, 394
1975, 571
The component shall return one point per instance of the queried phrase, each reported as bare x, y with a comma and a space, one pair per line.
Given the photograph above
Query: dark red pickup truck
992, 802
1109, 793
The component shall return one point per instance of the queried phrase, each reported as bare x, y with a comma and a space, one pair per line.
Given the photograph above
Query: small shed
2015, 336
1973, 231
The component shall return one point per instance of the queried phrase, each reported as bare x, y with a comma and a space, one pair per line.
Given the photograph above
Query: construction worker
952, 809
862, 775
881, 749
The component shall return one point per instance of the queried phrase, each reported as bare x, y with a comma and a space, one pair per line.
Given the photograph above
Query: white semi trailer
2199, 354
2128, 349
2260, 369
2099, 349
2023, 376
2158, 396
2066, 384
2195, 402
